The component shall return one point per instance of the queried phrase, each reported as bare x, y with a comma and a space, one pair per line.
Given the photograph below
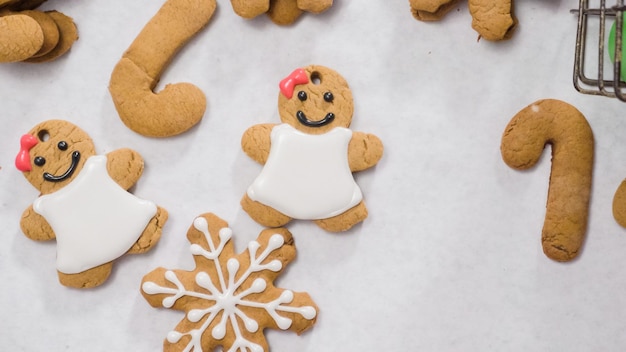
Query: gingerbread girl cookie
309, 158
84, 203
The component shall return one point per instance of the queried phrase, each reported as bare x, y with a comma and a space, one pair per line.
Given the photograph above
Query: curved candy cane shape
178, 107
566, 129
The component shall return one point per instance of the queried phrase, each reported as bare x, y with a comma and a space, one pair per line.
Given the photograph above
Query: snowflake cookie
229, 299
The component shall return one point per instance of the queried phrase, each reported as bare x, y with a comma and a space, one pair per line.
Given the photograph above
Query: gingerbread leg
284, 12
88, 278
345, 221
151, 234
263, 214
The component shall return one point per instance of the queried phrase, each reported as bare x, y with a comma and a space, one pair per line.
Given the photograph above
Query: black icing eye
329, 97
62, 145
39, 160
302, 95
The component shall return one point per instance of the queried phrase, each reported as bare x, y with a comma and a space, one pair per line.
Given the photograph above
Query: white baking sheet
450, 257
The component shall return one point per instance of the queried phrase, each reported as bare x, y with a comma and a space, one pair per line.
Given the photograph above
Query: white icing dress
307, 176
94, 219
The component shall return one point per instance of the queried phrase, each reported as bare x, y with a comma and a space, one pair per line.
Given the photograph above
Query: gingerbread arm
364, 151
35, 227
256, 142
125, 166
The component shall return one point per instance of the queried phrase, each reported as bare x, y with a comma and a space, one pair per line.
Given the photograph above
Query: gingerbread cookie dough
562, 126
84, 203
309, 158
229, 299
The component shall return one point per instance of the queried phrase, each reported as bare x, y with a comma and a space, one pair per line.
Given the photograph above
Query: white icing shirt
94, 219
307, 176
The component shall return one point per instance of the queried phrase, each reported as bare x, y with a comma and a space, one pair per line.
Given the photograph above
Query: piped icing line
224, 298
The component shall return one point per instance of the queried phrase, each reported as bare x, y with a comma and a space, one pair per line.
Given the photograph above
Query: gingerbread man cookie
30, 35
309, 158
84, 203
229, 298
281, 12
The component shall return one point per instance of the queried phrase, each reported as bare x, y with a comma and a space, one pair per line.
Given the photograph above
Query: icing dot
195, 249
282, 322
308, 312
195, 315
253, 246
201, 224
276, 241
258, 286
275, 265
39, 160
286, 296
204, 280
233, 266
150, 287
251, 325
170, 275
225, 234
169, 302
219, 331
174, 336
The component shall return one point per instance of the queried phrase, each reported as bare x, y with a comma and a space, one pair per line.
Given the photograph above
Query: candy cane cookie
563, 127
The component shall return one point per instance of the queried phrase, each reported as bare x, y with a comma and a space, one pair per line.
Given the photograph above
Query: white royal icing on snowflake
224, 296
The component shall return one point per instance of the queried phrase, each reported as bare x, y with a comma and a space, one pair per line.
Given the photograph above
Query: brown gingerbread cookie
309, 158
562, 126
33, 36
492, 19
178, 107
84, 203
229, 299
282, 12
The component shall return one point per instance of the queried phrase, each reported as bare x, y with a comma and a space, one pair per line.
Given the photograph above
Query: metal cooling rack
594, 73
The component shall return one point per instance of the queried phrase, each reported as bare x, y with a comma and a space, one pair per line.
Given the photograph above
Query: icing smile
310, 123
53, 178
